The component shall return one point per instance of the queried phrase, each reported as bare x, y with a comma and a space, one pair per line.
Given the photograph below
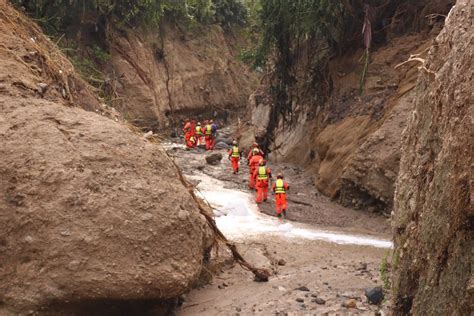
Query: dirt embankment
351, 142
433, 213
85, 202
166, 73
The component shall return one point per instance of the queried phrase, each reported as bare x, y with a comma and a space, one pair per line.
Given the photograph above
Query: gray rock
374, 295
213, 158
225, 140
221, 145
319, 301
42, 87
302, 288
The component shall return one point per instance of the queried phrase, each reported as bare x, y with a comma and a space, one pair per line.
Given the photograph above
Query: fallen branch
261, 275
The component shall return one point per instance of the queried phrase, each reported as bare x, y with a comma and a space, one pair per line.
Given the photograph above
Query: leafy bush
385, 272
55, 15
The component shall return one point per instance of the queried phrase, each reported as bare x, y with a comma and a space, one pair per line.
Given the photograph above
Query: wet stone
374, 295
213, 158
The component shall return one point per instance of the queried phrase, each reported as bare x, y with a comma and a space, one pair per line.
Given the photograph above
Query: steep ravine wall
433, 214
348, 140
167, 73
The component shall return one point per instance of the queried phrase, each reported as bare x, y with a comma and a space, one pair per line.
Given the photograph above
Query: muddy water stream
238, 217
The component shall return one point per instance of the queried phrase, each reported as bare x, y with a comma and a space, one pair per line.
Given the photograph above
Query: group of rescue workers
261, 176
196, 134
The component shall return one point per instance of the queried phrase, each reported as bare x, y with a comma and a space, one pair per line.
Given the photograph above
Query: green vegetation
385, 272
286, 24
80, 27
57, 15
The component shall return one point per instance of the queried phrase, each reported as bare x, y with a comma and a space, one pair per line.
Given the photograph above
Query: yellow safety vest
280, 186
198, 130
208, 129
262, 173
235, 152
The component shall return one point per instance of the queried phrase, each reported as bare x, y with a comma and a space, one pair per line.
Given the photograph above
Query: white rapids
237, 216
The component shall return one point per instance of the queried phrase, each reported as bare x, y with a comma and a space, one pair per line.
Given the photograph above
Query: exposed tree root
261, 275
417, 58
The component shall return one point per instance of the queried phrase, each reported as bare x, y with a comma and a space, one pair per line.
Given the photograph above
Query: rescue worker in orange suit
208, 135
191, 142
187, 130
193, 128
279, 188
186, 125
234, 156
253, 165
253, 151
198, 133
263, 175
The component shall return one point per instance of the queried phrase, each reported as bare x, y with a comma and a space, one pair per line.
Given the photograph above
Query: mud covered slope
89, 211
434, 217
166, 72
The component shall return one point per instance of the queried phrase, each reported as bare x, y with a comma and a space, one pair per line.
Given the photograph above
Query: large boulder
90, 211
433, 213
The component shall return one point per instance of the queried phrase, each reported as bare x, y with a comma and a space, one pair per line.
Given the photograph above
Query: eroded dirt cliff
433, 213
170, 73
90, 211
350, 141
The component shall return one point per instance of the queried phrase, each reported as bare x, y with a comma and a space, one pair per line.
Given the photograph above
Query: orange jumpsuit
187, 131
262, 174
234, 156
280, 187
253, 164
198, 133
209, 137
191, 142
250, 155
